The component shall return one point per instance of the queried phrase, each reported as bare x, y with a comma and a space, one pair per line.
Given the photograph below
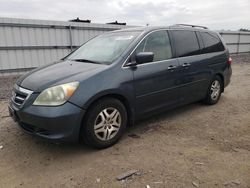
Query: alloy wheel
107, 123
215, 90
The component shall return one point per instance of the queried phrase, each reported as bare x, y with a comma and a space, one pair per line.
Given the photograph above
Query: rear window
186, 43
212, 43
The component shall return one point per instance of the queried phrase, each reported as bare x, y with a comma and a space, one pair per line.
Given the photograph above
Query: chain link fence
7, 82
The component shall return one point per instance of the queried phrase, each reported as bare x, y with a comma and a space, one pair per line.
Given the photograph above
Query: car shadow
165, 115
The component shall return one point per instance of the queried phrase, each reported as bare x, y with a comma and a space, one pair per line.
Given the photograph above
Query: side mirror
144, 57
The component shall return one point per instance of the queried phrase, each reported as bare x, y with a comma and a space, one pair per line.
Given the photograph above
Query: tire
214, 91
104, 124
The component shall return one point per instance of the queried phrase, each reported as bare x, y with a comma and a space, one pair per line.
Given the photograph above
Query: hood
58, 73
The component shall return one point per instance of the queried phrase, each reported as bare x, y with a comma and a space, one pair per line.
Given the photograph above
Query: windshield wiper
86, 60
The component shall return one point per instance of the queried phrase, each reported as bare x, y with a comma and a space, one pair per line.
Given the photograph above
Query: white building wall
25, 44
237, 42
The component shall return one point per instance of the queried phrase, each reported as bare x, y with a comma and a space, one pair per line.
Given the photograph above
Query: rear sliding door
194, 71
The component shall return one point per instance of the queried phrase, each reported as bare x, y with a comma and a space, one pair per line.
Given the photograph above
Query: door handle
186, 64
171, 67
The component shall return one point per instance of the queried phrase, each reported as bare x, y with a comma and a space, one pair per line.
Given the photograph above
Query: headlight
56, 95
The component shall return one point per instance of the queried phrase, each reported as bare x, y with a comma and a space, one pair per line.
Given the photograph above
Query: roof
152, 28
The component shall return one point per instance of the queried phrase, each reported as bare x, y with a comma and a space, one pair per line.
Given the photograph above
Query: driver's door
156, 83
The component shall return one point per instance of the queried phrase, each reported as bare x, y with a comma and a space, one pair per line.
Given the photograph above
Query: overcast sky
215, 14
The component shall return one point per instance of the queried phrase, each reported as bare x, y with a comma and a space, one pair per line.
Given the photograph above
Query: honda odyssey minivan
119, 77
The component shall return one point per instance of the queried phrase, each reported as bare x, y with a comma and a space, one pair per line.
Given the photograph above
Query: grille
20, 95
18, 98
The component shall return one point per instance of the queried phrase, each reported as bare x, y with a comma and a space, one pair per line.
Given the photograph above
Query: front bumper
60, 123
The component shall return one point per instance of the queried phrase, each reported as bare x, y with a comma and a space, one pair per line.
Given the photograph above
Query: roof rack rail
189, 25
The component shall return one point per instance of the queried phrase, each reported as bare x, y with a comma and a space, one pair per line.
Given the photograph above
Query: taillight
229, 61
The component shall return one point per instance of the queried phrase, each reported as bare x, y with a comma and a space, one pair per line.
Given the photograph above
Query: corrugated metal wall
25, 44
237, 42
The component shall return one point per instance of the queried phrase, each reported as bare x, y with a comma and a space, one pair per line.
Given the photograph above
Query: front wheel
105, 123
214, 91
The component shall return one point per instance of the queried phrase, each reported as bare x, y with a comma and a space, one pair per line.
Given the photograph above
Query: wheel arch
222, 79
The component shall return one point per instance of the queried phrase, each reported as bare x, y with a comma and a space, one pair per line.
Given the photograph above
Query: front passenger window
157, 42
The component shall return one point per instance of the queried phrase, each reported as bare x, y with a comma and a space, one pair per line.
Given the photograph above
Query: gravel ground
192, 146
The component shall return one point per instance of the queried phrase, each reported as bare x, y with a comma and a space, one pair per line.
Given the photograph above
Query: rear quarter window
186, 43
212, 43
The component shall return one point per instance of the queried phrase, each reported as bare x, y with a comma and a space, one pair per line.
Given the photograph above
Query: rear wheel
105, 123
214, 91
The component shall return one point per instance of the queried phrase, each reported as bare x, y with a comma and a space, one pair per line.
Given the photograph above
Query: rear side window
212, 43
186, 43
157, 42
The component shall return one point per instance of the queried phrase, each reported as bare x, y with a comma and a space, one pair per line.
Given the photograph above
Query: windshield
105, 48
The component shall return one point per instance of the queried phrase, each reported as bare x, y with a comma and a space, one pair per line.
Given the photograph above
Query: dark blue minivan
119, 77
